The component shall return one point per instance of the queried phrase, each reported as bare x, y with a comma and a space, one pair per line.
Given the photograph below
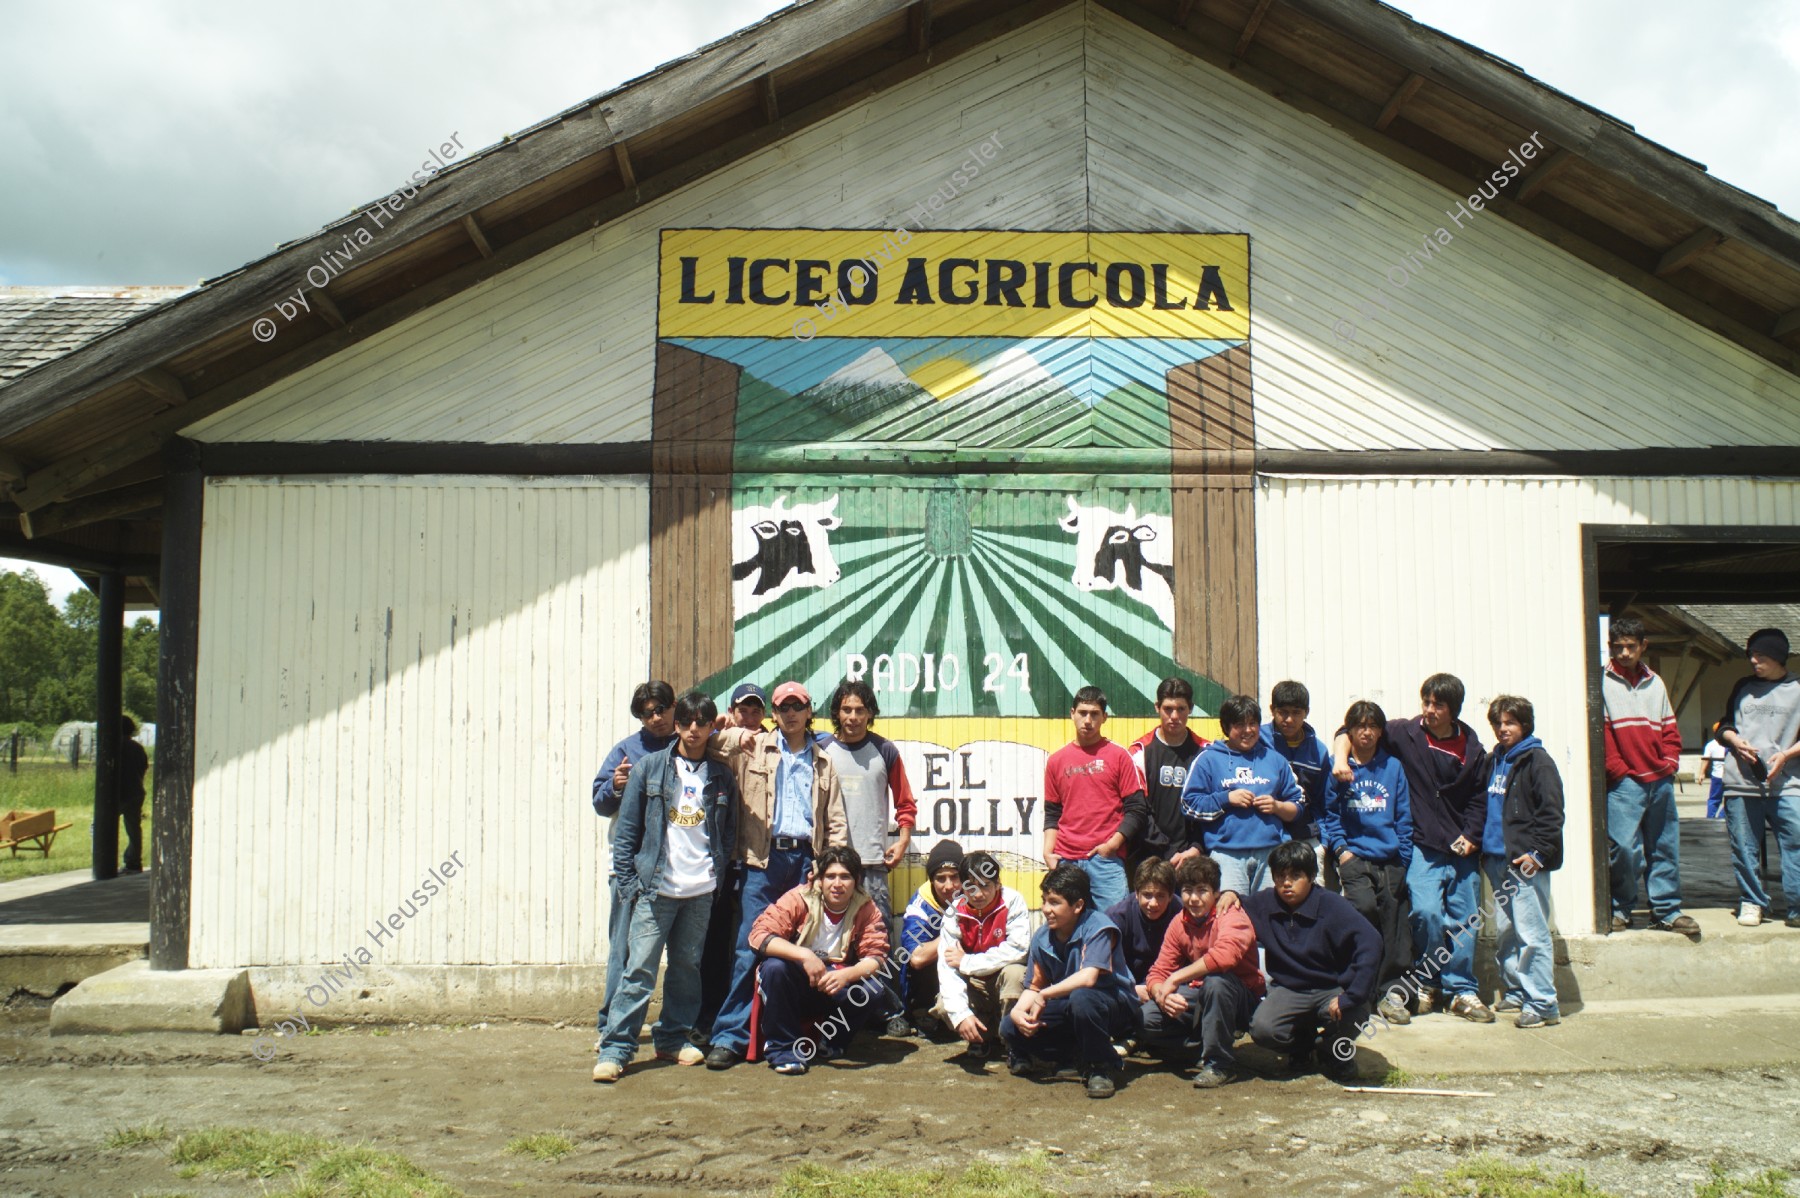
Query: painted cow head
1124, 551
776, 549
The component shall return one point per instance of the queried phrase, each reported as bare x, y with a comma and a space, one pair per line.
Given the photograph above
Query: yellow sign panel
809, 283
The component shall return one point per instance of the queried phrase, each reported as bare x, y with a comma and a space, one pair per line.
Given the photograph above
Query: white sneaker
1749, 914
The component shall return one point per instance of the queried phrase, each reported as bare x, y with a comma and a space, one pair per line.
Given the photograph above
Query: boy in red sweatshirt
1205, 984
1643, 750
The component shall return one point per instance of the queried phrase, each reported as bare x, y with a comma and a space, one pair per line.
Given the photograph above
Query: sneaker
899, 1028
1393, 1012
1428, 1001
1531, 1019
1793, 921
981, 1050
1467, 1006
1210, 1078
1508, 1006
689, 1055
721, 1057
1749, 914
606, 1070
1020, 1067
1066, 1073
1621, 923
1682, 925
791, 1068
1099, 1085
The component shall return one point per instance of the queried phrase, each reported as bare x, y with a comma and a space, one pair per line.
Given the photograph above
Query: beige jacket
754, 758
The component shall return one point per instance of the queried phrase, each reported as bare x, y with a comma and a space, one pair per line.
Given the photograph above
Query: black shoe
1020, 1066
1211, 1079
981, 1050
899, 1029
1793, 921
721, 1057
1099, 1084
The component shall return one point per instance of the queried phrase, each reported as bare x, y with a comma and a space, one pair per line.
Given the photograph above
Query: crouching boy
922, 929
820, 943
1321, 955
671, 850
1520, 844
981, 955
1079, 996
1205, 983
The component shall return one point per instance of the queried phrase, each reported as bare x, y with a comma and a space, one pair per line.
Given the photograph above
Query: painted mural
950, 475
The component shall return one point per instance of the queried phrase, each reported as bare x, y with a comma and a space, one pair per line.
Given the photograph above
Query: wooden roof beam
771, 103
1183, 11
163, 385
1534, 181
478, 235
1786, 324
1702, 241
328, 308
128, 501
1406, 91
918, 26
11, 468
1250, 27
622, 156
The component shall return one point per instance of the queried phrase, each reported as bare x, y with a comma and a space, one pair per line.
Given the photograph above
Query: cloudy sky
171, 142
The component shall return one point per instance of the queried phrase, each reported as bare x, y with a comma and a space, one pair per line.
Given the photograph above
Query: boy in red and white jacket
1205, 984
1643, 751
981, 955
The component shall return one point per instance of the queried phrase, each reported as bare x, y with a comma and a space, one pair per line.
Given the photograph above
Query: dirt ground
452, 1098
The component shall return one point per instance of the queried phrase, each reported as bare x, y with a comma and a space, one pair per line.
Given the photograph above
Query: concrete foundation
427, 993
135, 998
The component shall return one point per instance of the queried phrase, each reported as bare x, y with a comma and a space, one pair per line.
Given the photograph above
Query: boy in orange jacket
1205, 984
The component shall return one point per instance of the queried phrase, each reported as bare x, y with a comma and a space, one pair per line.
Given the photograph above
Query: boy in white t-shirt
671, 850
1712, 766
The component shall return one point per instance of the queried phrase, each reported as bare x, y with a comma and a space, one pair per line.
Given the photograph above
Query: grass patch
71, 793
320, 1168
1770, 1183
545, 1146
1024, 1178
1397, 1076
135, 1137
1486, 1177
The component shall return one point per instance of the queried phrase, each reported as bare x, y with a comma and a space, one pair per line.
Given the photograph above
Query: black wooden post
108, 725
172, 817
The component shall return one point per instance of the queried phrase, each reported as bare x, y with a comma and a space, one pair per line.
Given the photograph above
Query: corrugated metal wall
1366, 586
394, 670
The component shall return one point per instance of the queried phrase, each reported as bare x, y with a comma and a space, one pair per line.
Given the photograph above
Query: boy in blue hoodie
1244, 796
1288, 733
1520, 844
1368, 831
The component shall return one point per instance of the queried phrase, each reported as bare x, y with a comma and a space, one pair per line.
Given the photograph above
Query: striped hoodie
1642, 740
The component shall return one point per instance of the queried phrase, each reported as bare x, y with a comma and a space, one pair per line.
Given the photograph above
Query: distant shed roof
1735, 623
38, 324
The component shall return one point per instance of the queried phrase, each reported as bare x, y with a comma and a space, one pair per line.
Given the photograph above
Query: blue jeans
618, 939
801, 1023
1746, 818
1106, 880
1078, 1029
656, 921
787, 868
1445, 891
1646, 835
1245, 872
1523, 948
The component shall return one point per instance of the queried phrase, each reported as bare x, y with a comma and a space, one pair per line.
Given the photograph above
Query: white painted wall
393, 670
1367, 586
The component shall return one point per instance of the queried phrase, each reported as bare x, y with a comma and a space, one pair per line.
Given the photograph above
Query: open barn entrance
1700, 591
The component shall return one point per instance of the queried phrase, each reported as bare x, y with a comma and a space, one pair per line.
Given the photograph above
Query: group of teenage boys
777, 841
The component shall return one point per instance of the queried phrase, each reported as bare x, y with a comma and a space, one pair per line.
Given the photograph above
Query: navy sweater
1322, 944
1140, 939
1448, 799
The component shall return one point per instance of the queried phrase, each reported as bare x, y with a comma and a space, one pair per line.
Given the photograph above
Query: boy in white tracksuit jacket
981, 955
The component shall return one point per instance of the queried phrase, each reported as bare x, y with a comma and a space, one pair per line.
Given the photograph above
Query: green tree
141, 652
79, 638
30, 643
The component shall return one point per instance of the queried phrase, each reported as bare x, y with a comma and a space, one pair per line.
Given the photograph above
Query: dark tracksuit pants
1217, 1014
1378, 891
1079, 1029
